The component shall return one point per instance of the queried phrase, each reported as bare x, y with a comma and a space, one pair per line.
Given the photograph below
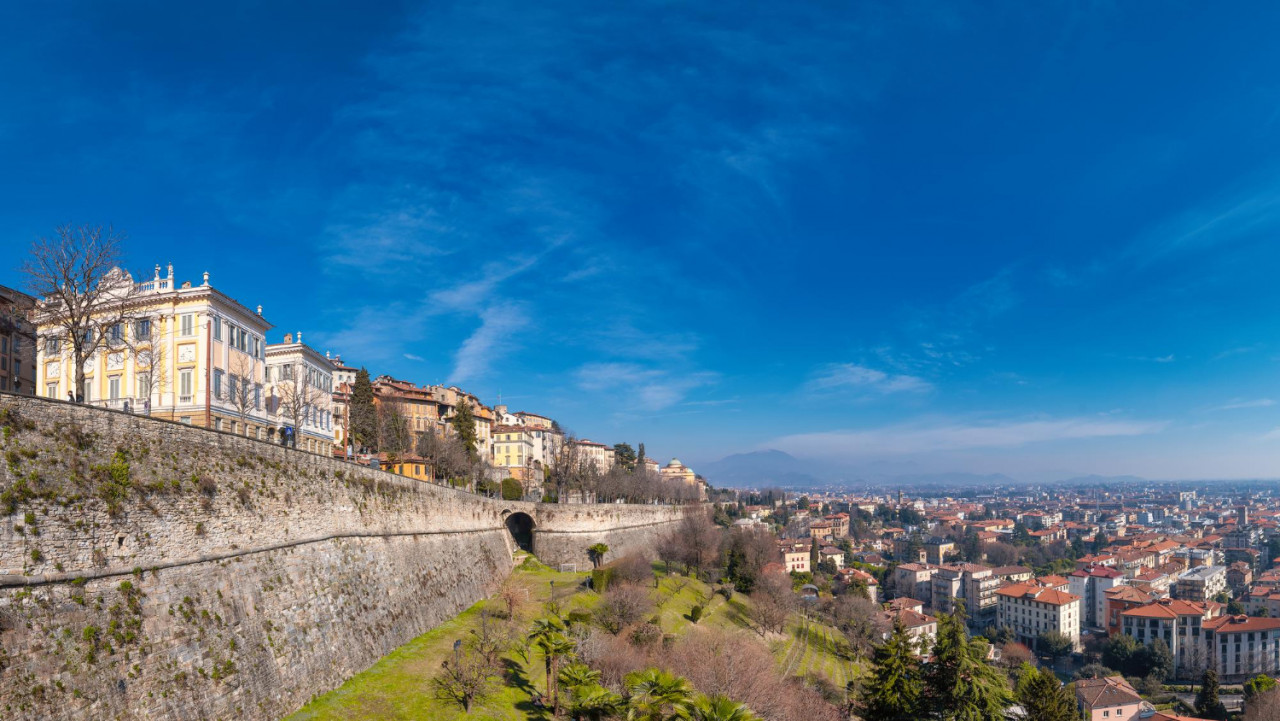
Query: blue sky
1026, 238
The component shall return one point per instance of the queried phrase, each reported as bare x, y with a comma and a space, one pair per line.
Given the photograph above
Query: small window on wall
217, 329
188, 325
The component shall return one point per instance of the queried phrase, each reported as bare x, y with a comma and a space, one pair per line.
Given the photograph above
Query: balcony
186, 400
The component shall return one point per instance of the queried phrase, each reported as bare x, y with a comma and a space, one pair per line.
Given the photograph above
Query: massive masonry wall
154, 570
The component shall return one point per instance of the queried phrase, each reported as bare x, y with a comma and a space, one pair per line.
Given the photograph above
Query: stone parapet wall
229, 578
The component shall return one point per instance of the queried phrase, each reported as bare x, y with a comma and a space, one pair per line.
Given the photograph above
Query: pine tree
895, 690
1043, 697
464, 424
364, 417
960, 684
1208, 705
640, 458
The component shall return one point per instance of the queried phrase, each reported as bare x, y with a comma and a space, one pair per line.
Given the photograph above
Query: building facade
1030, 609
300, 388
17, 342
171, 345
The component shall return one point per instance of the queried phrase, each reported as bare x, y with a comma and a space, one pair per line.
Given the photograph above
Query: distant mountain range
762, 469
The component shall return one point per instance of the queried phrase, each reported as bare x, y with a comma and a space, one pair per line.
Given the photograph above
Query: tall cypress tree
960, 685
364, 417
1043, 697
896, 687
1208, 705
464, 424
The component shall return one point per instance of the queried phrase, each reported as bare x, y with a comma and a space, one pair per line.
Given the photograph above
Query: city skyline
912, 241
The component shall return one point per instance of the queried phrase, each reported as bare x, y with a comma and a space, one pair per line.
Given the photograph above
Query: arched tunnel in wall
520, 525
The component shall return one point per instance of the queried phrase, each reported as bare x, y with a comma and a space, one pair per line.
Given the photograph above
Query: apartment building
1240, 647
937, 549
969, 582
1178, 623
915, 580
596, 454
1030, 609
1091, 585
795, 556
17, 342
1201, 583
513, 452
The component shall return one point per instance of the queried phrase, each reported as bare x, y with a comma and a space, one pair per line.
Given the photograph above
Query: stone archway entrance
520, 525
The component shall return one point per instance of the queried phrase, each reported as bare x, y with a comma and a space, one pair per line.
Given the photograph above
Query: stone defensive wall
154, 570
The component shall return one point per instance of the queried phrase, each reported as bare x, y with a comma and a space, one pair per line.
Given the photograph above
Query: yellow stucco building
185, 352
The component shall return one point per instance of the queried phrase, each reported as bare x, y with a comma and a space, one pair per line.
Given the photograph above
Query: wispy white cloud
956, 436
1238, 350
1244, 216
412, 357
1154, 359
634, 386
1238, 403
854, 377
498, 326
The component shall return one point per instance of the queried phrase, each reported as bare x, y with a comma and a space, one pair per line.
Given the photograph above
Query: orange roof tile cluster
1241, 624
1106, 692
1037, 593
1170, 608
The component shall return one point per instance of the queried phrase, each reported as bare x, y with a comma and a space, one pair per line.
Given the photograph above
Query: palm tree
543, 629
593, 702
578, 674
597, 551
656, 695
557, 646
720, 708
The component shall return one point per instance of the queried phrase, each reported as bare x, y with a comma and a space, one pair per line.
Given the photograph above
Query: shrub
512, 490
622, 606
206, 485
645, 635
600, 579
695, 613
632, 569
113, 481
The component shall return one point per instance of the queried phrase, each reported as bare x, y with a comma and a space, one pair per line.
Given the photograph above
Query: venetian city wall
154, 570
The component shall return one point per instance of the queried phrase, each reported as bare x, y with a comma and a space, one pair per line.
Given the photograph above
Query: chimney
288, 338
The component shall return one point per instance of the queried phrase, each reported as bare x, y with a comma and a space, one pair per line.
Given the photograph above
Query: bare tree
623, 605
474, 669
241, 388
699, 541
394, 435
299, 398
84, 296
772, 601
151, 356
1264, 707
445, 454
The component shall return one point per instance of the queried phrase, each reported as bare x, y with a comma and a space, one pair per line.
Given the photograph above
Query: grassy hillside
399, 686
